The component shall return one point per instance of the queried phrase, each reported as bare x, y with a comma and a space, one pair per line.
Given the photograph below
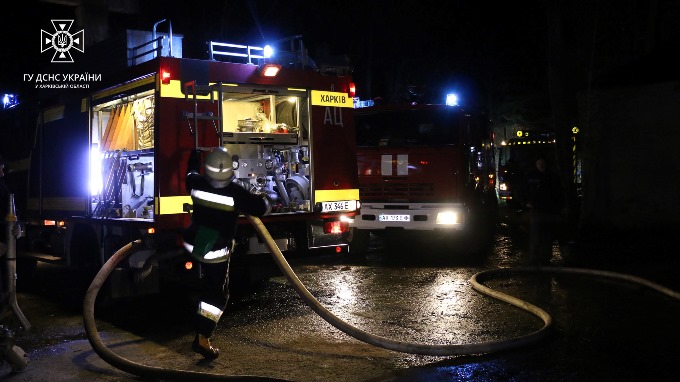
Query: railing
156, 49
156, 44
289, 50
235, 50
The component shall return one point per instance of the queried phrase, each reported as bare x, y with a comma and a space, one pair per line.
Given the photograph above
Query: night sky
495, 54
532, 64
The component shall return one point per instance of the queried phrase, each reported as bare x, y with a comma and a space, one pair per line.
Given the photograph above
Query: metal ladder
193, 91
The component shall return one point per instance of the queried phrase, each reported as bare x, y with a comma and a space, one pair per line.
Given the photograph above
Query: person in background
545, 202
217, 203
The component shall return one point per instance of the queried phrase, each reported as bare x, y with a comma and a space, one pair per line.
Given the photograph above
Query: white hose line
401, 346
565, 270
151, 372
452, 349
124, 364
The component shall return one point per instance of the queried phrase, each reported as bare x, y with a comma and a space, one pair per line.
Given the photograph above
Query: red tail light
165, 77
335, 226
352, 89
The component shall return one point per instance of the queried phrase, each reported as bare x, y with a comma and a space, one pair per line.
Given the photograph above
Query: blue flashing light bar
451, 99
9, 101
268, 51
358, 103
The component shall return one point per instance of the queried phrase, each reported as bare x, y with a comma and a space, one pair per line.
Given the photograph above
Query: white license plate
340, 205
394, 218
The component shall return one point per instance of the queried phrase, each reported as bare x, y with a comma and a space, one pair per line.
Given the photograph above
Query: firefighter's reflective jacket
216, 207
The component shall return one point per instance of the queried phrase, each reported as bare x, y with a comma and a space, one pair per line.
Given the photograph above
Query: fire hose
476, 281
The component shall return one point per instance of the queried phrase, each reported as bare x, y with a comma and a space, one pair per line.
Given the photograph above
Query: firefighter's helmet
218, 164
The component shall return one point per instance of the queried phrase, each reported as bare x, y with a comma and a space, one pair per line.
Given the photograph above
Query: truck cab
424, 170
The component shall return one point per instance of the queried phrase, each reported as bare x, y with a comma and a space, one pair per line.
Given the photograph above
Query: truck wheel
358, 242
301, 237
85, 251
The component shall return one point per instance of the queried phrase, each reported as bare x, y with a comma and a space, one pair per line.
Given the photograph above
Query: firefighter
544, 199
217, 202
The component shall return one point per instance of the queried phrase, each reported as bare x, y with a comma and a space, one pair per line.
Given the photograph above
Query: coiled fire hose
476, 281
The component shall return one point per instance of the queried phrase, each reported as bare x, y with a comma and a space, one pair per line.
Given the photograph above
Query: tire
358, 242
85, 251
301, 237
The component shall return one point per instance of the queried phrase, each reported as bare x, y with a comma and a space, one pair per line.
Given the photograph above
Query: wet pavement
603, 329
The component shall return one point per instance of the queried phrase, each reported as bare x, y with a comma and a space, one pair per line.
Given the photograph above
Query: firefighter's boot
203, 347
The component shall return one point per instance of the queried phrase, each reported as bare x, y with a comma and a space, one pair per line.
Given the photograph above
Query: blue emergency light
9, 101
451, 99
358, 103
268, 51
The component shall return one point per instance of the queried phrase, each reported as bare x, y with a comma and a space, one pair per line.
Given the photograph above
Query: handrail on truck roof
236, 50
156, 44
294, 53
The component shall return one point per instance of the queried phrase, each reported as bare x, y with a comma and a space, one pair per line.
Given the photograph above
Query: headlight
448, 217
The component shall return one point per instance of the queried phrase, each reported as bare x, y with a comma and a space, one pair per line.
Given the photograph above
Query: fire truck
108, 165
425, 171
516, 158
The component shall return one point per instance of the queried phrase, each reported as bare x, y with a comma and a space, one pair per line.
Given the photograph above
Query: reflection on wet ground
410, 291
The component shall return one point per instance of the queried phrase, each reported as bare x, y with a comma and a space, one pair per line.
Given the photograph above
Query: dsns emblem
62, 41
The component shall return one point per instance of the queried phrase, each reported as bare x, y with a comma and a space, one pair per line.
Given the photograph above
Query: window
407, 128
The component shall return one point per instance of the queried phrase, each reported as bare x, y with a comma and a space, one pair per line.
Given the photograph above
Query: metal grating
397, 191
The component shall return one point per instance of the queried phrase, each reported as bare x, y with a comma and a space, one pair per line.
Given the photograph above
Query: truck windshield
406, 128
521, 158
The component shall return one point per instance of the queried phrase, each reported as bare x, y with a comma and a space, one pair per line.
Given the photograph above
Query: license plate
340, 205
394, 218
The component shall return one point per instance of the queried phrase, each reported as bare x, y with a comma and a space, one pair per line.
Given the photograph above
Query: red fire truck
424, 170
109, 164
